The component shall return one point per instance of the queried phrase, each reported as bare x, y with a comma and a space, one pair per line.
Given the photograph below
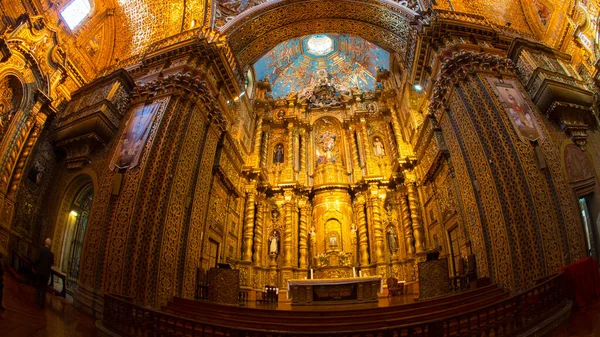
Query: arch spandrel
258, 30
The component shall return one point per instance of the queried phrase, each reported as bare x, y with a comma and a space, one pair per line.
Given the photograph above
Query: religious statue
392, 241
378, 149
278, 154
273, 245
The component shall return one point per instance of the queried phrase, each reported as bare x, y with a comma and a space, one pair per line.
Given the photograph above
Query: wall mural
298, 65
543, 12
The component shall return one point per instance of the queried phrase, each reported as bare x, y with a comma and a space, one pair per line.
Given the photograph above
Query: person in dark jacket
42, 266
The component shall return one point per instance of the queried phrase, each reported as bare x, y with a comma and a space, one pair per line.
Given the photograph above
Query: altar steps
342, 320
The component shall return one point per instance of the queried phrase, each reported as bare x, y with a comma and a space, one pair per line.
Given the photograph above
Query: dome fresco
298, 64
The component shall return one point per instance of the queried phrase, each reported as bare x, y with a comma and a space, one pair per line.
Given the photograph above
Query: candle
353, 271
311, 273
360, 273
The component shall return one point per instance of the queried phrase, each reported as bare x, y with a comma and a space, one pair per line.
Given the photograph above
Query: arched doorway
78, 218
72, 220
580, 173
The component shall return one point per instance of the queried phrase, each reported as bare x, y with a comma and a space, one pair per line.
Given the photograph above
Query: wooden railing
503, 318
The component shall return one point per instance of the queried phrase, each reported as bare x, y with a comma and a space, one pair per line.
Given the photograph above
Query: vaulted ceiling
301, 63
118, 29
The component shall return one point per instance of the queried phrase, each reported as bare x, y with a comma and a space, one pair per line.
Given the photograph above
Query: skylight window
75, 12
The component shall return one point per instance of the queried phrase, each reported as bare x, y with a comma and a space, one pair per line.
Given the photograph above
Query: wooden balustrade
502, 318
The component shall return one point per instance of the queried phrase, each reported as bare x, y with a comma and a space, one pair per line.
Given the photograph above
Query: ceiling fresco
342, 60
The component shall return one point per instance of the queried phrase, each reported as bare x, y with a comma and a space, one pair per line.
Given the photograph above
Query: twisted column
287, 236
397, 131
363, 240
417, 224
377, 227
354, 150
408, 230
258, 135
303, 156
258, 235
248, 226
303, 242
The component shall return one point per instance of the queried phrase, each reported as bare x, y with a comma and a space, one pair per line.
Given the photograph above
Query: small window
75, 12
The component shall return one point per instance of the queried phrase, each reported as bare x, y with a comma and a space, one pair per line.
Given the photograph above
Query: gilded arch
261, 28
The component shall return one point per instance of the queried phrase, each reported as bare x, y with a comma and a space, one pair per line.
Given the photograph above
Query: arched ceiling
302, 63
259, 29
119, 29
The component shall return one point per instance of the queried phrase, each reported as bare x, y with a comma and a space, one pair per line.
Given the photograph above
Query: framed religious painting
132, 141
517, 107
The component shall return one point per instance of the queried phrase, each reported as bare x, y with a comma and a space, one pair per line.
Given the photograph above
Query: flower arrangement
322, 260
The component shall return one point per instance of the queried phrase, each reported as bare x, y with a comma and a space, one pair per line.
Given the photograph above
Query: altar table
335, 291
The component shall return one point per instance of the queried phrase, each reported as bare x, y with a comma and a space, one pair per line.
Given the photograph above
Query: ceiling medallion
319, 45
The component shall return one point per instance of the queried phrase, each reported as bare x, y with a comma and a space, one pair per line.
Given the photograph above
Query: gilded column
397, 132
303, 242
263, 154
355, 158
408, 230
258, 139
287, 236
417, 224
248, 226
374, 211
303, 170
289, 176
363, 240
258, 234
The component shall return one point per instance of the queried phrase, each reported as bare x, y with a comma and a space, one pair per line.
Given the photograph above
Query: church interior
303, 156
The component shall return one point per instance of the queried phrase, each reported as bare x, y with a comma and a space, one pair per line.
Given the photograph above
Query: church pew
216, 310
443, 300
367, 314
317, 324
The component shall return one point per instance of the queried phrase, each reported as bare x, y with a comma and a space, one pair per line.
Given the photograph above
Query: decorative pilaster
363, 240
415, 214
248, 226
303, 242
375, 213
407, 223
258, 234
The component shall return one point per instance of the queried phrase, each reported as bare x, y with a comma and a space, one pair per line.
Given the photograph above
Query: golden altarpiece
147, 149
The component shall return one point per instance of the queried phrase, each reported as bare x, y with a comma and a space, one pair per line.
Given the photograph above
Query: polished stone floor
23, 318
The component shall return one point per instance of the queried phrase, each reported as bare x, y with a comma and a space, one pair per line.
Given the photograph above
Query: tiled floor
23, 318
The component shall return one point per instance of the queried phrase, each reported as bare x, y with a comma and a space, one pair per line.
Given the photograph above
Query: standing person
42, 265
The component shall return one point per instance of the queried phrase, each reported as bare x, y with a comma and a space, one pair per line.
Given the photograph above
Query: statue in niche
378, 149
392, 240
274, 244
278, 154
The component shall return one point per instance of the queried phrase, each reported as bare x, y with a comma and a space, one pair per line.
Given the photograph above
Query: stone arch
261, 28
